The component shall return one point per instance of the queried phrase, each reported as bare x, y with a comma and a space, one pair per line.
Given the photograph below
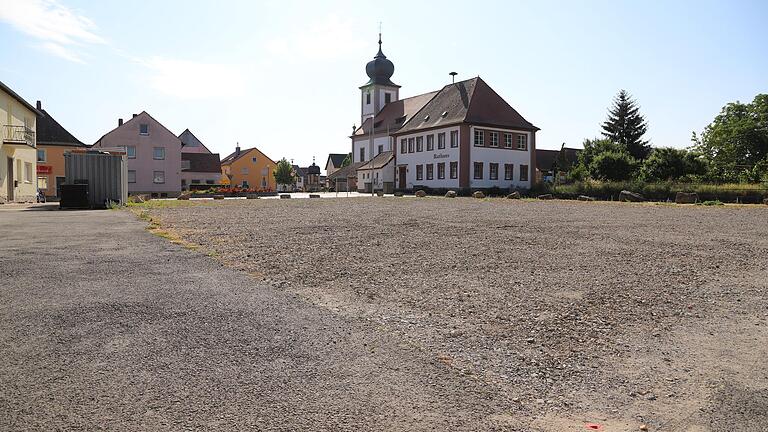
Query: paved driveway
105, 326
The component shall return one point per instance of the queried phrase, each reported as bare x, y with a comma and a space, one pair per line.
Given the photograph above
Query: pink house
154, 155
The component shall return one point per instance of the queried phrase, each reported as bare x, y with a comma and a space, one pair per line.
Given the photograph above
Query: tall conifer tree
626, 126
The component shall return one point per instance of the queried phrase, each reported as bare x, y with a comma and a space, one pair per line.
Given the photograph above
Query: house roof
345, 172
298, 170
545, 159
202, 162
20, 99
336, 158
50, 132
394, 114
470, 101
187, 136
233, 157
379, 161
131, 120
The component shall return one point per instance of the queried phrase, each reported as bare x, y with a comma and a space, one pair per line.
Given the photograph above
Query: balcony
20, 135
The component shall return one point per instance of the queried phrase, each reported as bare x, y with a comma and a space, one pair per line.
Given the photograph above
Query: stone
183, 197
420, 193
398, 194
514, 195
378, 193
585, 198
218, 197
285, 196
629, 196
314, 196
546, 197
478, 194
450, 194
643, 427
686, 198
252, 196
765, 201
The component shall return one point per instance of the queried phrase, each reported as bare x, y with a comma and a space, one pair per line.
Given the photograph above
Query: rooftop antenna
453, 77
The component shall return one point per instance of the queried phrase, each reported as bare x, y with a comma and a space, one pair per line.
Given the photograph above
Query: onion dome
380, 69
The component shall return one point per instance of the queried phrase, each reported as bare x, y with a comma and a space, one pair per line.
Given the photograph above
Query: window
441, 141
27, 172
210, 182
430, 142
522, 142
494, 139
130, 151
362, 154
265, 171
387, 98
131, 176
419, 172
454, 139
523, 172
493, 171
454, 170
244, 184
430, 171
194, 181
368, 98
143, 129
478, 170
253, 159
419, 144
41, 155
508, 169
507, 140
158, 177
410, 145
381, 149
158, 153
441, 170
403, 145
244, 170
42, 182
479, 138
263, 182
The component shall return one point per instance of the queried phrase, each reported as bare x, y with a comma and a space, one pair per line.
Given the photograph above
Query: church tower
379, 90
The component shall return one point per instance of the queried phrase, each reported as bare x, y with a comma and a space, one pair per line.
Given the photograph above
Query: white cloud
59, 30
328, 39
188, 79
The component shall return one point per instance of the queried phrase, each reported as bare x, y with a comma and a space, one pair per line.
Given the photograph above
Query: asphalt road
106, 326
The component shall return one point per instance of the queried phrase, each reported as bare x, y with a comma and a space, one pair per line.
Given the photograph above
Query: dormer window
143, 129
445, 113
426, 118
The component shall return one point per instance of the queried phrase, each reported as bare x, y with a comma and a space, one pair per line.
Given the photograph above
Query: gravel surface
104, 326
563, 313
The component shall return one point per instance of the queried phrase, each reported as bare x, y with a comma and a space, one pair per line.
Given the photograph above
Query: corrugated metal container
106, 175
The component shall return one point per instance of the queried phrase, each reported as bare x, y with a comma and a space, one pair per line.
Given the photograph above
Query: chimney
134, 116
39, 105
237, 150
119, 122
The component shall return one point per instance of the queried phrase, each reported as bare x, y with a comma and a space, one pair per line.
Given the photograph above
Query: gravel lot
561, 312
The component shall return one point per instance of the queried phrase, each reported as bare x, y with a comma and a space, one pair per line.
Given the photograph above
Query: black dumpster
74, 196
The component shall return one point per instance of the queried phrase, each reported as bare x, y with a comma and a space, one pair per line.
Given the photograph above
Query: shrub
613, 165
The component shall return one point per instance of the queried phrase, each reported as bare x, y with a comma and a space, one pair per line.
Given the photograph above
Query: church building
463, 136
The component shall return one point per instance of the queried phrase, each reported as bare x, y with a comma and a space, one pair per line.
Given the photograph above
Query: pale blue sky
284, 75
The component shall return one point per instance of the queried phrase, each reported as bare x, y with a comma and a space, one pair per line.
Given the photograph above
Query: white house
463, 136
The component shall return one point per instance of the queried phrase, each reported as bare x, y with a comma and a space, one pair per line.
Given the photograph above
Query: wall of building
365, 143
51, 167
22, 157
502, 156
378, 177
144, 163
258, 174
446, 155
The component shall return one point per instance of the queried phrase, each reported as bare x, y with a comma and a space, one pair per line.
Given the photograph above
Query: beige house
18, 148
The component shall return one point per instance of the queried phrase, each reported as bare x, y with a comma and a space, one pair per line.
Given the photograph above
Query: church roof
470, 101
380, 69
395, 114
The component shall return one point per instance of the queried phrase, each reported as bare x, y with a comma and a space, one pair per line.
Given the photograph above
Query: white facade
501, 156
373, 98
447, 155
363, 143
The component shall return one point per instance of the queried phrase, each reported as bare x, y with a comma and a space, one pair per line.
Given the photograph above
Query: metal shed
105, 173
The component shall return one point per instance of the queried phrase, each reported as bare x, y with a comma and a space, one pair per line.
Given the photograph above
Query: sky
284, 76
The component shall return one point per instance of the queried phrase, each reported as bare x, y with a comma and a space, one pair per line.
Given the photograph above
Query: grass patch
710, 203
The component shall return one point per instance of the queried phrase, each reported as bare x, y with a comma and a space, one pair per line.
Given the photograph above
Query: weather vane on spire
379, 33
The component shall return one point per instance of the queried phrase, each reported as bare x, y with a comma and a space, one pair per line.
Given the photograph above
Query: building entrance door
401, 177
10, 178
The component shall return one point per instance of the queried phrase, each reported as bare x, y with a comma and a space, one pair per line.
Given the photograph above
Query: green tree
284, 174
593, 148
735, 144
347, 160
613, 166
672, 164
626, 126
